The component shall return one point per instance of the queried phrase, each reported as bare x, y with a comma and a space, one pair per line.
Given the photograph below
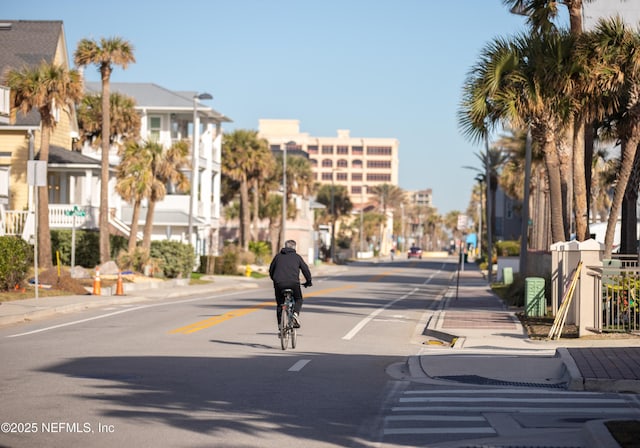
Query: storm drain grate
480, 380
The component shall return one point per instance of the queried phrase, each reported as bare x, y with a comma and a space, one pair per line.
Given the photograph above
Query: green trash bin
535, 303
507, 276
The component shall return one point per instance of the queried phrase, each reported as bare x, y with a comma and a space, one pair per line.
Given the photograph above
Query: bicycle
287, 329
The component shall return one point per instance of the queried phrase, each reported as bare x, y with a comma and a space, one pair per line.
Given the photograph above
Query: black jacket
286, 266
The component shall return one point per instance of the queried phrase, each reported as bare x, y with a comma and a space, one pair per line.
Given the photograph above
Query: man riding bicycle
285, 271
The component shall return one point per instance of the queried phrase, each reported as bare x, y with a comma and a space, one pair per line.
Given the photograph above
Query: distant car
414, 252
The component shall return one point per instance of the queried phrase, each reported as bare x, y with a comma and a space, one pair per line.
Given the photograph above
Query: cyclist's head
291, 244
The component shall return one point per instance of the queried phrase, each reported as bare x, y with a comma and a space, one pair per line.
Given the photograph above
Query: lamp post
333, 222
362, 218
195, 160
284, 194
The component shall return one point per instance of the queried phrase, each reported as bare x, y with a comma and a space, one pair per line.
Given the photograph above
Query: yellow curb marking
207, 323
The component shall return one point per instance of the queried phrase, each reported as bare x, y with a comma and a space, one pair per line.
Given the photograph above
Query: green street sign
75, 212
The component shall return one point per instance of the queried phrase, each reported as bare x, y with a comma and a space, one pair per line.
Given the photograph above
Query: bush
134, 261
227, 264
508, 248
87, 247
16, 257
261, 250
175, 259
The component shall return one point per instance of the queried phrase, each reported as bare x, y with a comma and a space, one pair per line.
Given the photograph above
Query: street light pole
284, 194
195, 160
333, 222
362, 219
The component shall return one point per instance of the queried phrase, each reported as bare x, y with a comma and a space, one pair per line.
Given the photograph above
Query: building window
356, 177
379, 150
327, 176
342, 149
357, 163
327, 149
342, 163
155, 126
378, 163
356, 190
356, 150
275, 148
327, 163
312, 149
313, 162
378, 177
342, 176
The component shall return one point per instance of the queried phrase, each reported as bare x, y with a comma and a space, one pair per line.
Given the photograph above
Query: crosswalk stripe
508, 400
435, 418
523, 409
453, 430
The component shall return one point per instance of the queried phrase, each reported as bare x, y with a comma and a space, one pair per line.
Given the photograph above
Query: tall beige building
356, 163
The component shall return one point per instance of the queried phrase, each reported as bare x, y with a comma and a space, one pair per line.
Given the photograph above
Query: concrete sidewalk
484, 343
475, 320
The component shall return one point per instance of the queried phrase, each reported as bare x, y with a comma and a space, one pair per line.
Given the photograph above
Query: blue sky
378, 68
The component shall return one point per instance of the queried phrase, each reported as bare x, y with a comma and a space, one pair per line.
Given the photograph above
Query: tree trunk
105, 254
629, 221
580, 182
555, 189
133, 236
565, 157
148, 226
245, 218
45, 259
256, 210
629, 149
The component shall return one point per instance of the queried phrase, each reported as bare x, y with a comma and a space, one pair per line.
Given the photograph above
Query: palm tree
125, 121
167, 167
491, 163
264, 165
523, 82
540, 14
239, 149
135, 178
610, 55
45, 88
105, 54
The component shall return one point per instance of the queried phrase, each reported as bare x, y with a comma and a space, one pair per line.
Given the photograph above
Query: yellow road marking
215, 320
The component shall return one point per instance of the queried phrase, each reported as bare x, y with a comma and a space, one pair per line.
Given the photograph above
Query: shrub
87, 247
134, 261
261, 249
175, 259
508, 248
227, 264
16, 257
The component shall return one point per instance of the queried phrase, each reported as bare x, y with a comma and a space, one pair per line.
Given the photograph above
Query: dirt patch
539, 327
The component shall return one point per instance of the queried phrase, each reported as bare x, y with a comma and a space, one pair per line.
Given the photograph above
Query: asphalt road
209, 371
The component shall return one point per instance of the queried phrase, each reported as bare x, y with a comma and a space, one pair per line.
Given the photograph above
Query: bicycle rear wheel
294, 337
284, 329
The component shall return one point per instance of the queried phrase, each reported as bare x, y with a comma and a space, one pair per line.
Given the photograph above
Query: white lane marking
452, 430
299, 365
370, 317
102, 316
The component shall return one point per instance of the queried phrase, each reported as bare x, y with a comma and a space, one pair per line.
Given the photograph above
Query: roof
61, 156
28, 42
161, 217
153, 96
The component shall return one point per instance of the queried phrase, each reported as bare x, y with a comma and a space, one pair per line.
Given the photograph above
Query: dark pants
297, 295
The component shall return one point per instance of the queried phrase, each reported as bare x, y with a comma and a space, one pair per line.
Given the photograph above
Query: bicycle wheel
294, 336
284, 329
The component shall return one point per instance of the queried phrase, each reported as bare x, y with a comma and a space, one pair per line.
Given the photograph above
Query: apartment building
357, 163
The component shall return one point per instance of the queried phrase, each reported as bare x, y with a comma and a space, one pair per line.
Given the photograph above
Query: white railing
14, 222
